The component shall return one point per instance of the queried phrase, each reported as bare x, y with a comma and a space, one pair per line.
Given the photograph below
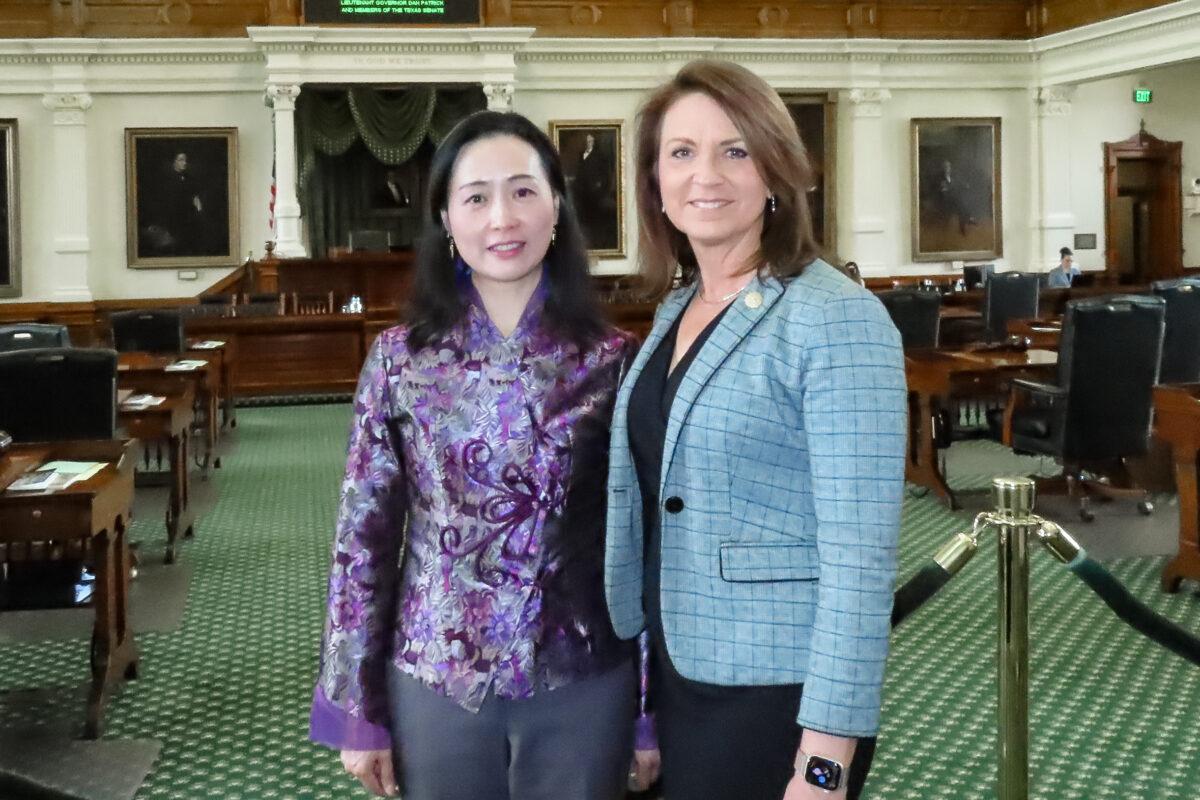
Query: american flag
271, 204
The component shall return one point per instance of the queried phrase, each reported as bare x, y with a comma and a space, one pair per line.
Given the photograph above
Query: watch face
823, 773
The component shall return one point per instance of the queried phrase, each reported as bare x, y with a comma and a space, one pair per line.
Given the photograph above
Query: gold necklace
724, 299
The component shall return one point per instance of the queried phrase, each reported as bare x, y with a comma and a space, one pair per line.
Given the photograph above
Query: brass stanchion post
1014, 498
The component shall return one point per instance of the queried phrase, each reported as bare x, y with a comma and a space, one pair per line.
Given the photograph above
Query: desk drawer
31, 520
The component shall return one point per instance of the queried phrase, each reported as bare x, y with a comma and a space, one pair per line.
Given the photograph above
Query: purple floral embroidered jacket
469, 539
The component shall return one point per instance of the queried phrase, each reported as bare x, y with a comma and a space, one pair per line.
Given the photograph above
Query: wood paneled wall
1052, 16
889, 19
1002, 19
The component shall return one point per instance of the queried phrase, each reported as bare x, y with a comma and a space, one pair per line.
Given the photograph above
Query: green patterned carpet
227, 694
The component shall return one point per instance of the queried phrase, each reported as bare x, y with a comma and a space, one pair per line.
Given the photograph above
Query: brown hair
788, 244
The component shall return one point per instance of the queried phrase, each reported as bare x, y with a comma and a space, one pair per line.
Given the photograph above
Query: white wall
109, 275
35, 167
542, 106
881, 86
893, 167
107, 120
1104, 111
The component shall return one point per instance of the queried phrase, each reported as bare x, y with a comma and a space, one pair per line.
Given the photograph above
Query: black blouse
649, 409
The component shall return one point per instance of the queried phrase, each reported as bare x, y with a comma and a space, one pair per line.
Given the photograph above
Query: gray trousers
573, 742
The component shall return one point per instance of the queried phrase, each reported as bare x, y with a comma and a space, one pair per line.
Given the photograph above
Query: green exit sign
1143, 96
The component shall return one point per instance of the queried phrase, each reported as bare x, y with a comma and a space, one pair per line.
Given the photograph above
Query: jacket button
674, 504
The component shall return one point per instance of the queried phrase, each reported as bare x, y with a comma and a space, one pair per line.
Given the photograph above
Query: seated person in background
1064, 271
852, 271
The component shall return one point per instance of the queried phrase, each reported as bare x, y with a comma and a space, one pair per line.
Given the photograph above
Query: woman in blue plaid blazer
757, 461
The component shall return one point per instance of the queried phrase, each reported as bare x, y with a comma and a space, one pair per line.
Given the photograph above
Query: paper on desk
211, 344
142, 401
76, 471
56, 475
185, 365
36, 480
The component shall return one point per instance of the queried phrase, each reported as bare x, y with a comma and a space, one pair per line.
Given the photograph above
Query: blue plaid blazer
786, 445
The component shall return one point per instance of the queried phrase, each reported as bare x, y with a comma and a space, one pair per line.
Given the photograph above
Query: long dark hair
572, 309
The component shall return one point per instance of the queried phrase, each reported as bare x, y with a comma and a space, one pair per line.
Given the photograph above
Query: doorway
1142, 209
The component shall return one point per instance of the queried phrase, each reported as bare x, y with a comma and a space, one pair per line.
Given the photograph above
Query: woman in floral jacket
467, 652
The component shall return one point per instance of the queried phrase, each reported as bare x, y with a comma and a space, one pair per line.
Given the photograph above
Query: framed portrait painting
10, 250
181, 197
956, 189
592, 160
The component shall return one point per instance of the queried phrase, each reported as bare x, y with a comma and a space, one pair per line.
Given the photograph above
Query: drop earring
771, 199
553, 234
453, 252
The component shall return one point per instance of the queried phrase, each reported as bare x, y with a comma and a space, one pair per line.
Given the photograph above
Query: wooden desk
224, 358
960, 312
95, 511
146, 372
171, 421
938, 377
291, 354
1040, 332
1177, 421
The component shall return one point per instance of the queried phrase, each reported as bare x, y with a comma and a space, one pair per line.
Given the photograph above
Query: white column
499, 96
72, 246
288, 241
863, 232
1054, 221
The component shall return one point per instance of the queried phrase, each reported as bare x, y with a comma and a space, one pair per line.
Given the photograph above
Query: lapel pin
753, 300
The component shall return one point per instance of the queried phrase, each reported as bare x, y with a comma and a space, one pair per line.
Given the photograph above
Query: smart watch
824, 773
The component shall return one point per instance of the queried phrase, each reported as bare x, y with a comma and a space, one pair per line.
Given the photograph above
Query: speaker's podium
314, 348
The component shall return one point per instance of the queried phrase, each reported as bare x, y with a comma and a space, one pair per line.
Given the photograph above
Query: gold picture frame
181, 197
10, 228
956, 198
595, 180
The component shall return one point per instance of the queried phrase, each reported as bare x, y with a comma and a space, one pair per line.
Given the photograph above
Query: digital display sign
410, 12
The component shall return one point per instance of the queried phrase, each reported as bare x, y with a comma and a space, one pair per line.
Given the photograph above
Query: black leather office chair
916, 314
54, 394
976, 275
26, 335
154, 331
1098, 411
58, 393
1181, 343
1008, 295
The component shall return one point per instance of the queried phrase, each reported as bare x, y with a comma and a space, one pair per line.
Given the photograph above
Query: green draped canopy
391, 124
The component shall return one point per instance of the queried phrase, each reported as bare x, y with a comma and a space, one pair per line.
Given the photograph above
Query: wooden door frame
1167, 230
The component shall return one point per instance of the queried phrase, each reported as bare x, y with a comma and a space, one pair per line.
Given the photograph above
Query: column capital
68, 107
868, 102
499, 96
1055, 101
283, 95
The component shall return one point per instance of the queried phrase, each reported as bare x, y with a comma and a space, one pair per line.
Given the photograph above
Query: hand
374, 769
800, 789
643, 772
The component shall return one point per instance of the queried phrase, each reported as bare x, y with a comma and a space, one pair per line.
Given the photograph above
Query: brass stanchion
1013, 518
1017, 526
